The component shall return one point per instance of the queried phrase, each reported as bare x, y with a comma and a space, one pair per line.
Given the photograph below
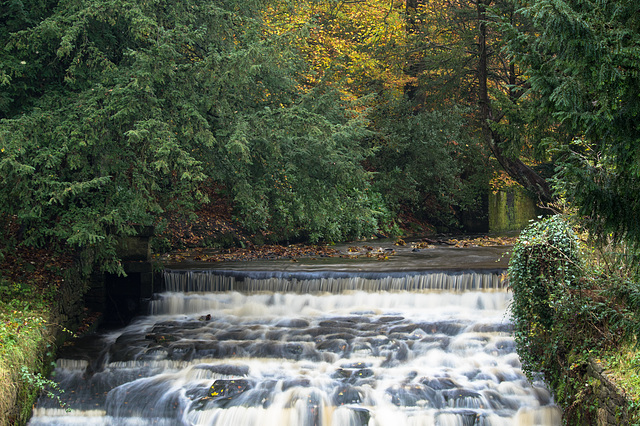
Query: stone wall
127, 296
612, 405
136, 247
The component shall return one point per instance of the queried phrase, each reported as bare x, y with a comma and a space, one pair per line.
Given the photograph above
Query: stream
423, 338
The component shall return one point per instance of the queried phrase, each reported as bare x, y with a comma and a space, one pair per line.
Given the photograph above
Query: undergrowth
572, 303
25, 346
624, 367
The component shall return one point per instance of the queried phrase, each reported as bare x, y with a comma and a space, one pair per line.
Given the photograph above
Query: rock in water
223, 392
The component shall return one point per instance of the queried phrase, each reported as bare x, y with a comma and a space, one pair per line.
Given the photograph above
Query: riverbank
576, 313
40, 305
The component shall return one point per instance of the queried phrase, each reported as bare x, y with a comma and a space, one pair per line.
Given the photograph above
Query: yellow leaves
348, 39
501, 180
484, 241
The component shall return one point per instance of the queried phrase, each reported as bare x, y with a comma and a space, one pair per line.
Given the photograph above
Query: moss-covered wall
511, 209
612, 406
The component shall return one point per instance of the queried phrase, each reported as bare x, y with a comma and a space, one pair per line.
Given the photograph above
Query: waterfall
274, 348
329, 281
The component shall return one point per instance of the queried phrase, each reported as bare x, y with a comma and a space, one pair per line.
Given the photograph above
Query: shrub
545, 269
570, 304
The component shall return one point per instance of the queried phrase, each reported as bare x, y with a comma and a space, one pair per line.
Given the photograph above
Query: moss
623, 366
511, 209
36, 309
24, 352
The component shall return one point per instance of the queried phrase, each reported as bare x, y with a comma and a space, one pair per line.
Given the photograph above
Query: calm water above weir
422, 339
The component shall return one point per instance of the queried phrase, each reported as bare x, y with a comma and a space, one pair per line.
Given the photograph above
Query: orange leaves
269, 251
484, 241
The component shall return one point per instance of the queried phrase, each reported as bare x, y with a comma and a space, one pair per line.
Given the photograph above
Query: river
423, 338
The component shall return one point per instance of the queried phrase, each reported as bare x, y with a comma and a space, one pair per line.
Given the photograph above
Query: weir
330, 281
234, 346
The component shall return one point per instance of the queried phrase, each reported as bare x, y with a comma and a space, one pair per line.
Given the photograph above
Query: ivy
544, 268
570, 304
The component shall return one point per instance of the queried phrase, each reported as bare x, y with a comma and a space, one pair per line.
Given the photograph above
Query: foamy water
376, 358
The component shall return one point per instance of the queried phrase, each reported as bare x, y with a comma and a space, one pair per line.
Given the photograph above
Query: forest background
314, 121
317, 121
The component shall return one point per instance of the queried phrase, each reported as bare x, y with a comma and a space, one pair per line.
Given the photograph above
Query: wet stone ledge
613, 406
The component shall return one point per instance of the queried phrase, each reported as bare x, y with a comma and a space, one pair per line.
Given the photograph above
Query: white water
330, 281
355, 358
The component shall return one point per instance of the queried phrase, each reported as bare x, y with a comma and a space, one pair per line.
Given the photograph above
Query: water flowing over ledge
307, 347
331, 281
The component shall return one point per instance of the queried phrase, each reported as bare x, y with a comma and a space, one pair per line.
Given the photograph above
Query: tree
297, 171
428, 163
457, 58
362, 49
117, 111
513, 165
581, 59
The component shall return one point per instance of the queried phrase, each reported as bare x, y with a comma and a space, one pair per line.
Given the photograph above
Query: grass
623, 366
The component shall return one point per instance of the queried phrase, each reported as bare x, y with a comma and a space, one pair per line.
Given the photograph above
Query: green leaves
125, 108
297, 172
581, 59
429, 163
110, 124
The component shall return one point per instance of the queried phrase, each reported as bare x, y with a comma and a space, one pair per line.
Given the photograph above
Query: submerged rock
439, 383
332, 345
297, 382
223, 392
354, 376
228, 388
292, 323
363, 415
414, 395
226, 369
463, 398
462, 418
347, 395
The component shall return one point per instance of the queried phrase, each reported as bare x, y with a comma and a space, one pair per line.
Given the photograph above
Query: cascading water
306, 349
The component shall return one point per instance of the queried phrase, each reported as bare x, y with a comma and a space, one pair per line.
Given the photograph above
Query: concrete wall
511, 209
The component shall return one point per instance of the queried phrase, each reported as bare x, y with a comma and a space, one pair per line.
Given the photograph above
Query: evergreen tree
582, 63
115, 111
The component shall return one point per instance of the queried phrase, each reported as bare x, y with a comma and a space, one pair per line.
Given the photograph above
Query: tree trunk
412, 67
519, 171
